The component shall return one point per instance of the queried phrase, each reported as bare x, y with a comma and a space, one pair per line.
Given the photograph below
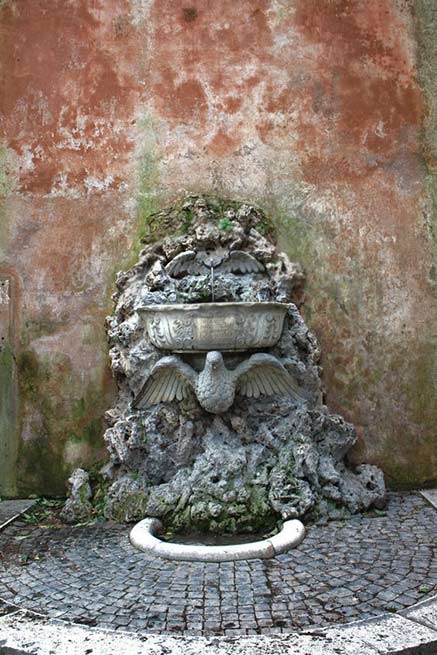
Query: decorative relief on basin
214, 326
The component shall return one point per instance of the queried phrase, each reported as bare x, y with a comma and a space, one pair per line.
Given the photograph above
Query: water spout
212, 284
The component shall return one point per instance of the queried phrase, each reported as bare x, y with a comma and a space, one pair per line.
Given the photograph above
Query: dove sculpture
215, 386
200, 263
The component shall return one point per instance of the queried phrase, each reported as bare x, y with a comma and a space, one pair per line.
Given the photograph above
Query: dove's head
214, 360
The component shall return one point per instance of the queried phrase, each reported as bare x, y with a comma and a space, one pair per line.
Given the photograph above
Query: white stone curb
142, 536
26, 633
430, 495
13, 509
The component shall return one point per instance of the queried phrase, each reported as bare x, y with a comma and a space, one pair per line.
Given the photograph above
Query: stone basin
227, 326
143, 536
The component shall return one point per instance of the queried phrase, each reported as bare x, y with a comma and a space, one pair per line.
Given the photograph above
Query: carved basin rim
143, 537
268, 304
224, 326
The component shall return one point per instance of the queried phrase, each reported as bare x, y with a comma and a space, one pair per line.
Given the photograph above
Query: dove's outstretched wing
189, 262
169, 380
241, 262
186, 263
263, 374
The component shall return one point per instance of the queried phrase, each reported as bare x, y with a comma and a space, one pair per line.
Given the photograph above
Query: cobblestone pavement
342, 571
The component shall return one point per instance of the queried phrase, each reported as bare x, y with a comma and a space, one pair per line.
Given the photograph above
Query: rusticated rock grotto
247, 463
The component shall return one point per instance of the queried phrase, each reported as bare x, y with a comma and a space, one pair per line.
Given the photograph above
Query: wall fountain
220, 425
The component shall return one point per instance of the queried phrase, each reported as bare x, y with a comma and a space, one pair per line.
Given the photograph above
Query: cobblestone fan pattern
342, 571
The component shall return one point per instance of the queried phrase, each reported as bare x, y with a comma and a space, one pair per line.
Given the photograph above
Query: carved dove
200, 263
215, 386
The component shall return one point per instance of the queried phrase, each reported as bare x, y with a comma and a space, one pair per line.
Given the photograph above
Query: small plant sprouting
225, 224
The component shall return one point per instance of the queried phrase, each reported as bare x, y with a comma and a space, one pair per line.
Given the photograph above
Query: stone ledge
342, 572
143, 537
12, 509
394, 635
424, 613
24, 632
430, 495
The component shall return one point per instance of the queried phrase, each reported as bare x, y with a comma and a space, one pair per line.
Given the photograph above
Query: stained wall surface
320, 111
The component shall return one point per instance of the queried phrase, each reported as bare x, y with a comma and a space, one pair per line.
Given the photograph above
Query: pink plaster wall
311, 108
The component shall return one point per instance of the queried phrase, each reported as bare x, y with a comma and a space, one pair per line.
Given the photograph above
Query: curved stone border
142, 536
24, 632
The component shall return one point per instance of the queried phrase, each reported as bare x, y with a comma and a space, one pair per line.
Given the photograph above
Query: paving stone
338, 574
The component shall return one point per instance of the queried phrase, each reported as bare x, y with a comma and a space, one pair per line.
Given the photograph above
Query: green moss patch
177, 219
58, 411
8, 436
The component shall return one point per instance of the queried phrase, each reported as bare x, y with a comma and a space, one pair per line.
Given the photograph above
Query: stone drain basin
143, 537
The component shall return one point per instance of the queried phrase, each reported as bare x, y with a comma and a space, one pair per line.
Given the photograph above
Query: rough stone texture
425, 613
25, 633
341, 572
315, 110
397, 636
261, 460
78, 506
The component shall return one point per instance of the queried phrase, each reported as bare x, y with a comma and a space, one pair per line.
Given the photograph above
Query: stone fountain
220, 424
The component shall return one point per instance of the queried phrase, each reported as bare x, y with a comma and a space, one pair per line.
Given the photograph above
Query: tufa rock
78, 506
262, 460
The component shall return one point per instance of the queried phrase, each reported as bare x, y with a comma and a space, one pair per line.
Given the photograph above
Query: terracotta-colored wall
318, 110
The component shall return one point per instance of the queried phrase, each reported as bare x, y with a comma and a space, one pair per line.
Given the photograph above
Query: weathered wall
319, 110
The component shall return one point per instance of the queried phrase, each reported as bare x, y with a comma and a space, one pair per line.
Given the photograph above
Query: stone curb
142, 537
26, 633
424, 612
10, 510
430, 495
